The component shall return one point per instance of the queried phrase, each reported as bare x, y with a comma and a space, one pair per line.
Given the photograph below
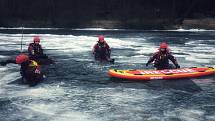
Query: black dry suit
35, 51
30, 71
161, 60
102, 51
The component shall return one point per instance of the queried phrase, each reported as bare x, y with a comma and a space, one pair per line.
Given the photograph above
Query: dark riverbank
124, 14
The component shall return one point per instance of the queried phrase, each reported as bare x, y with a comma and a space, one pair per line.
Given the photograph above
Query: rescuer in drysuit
101, 50
30, 70
162, 57
35, 52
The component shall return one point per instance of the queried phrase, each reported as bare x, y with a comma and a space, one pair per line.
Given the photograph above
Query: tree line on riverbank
140, 14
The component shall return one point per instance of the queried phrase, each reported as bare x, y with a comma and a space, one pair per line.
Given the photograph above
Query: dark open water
78, 89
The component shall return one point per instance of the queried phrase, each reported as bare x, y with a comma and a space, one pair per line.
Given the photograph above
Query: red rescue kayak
161, 74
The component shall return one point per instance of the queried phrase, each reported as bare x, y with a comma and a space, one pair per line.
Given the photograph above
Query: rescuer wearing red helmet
30, 70
101, 50
35, 50
162, 57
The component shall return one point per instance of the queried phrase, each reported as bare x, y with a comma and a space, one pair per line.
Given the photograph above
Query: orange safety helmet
36, 39
21, 58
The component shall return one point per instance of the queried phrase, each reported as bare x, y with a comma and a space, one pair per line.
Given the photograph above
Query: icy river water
78, 89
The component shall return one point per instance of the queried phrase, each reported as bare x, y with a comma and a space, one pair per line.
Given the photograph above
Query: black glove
147, 64
177, 66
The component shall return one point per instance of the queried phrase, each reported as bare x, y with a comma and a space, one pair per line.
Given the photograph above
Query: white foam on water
119, 96
3, 57
199, 53
26, 28
6, 42
186, 114
188, 30
55, 112
74, 116
102, 29
37, 92
50, 109
9, 77
44, 92
199, 42
54, 102
97, 29
210, 118
78, 44
120, 43
3, 69
88, 29
191, 115
197, 59
146, 50
139, 56
68, 44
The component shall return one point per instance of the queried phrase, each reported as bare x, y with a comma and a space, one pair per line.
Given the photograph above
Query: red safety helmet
163, 45
101, 38
36, 39
21, 58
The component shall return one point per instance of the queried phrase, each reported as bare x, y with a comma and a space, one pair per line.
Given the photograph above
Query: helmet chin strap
163, 52
101, 42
